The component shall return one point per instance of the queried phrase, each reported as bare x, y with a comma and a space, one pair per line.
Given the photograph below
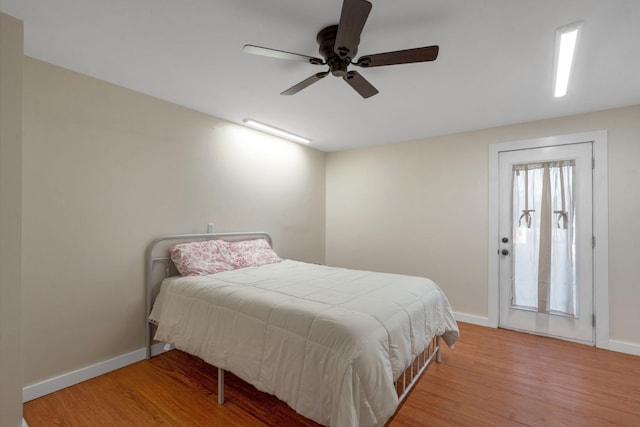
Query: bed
341, 347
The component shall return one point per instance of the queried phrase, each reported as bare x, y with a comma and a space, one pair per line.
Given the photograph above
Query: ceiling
495, 64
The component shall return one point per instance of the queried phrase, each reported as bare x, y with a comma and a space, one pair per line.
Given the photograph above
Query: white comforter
327, 341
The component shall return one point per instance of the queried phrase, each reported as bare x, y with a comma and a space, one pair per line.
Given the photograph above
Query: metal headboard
157, 253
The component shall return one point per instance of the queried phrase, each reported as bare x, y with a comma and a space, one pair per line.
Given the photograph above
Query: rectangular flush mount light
275, 131
566, 42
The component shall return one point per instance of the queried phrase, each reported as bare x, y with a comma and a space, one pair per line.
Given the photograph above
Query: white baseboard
160, 347
624, 347
34, 391
471, 318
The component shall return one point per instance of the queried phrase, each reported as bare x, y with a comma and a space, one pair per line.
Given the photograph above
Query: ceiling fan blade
360, 84
352, 19
419, 54
305, 83
281, 54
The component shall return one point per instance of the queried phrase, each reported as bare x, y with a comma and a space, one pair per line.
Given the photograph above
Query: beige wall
421, 207
11, 51
106, 170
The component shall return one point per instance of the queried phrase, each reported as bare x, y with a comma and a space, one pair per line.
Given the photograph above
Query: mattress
327, 341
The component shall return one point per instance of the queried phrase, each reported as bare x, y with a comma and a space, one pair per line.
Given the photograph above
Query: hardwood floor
494, 377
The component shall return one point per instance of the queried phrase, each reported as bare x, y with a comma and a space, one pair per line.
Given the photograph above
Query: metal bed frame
412, 374
403, 384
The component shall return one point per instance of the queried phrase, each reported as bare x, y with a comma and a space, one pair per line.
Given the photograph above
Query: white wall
421, 207
11, 51
107, 170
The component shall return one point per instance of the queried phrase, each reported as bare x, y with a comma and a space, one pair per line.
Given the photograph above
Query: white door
546, 238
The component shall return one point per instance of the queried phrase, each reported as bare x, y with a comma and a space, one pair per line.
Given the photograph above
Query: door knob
504, 252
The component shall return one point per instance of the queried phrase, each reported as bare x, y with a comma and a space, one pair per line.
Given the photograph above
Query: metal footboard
410, 376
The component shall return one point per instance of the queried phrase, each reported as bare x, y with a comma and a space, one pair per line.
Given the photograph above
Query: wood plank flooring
493, 377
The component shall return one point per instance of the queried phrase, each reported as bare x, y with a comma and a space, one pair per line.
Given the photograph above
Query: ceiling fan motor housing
327, 39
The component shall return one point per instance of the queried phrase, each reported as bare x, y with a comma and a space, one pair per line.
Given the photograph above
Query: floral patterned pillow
200, 258
253, 253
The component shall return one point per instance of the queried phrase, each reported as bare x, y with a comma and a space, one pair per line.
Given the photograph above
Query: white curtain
544, 277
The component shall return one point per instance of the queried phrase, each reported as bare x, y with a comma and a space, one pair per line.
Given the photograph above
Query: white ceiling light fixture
275, 131
566, 43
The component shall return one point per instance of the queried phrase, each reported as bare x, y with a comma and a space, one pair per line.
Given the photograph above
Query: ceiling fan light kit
338, 46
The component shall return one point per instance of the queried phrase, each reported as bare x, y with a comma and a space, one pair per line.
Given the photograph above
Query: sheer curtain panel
544, 276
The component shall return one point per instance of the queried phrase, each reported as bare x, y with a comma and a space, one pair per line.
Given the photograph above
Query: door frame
600, 224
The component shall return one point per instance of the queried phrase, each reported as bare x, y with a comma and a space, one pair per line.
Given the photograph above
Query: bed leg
220, 386
438, 351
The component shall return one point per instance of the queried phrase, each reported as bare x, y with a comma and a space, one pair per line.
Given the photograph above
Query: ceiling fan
339, 46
